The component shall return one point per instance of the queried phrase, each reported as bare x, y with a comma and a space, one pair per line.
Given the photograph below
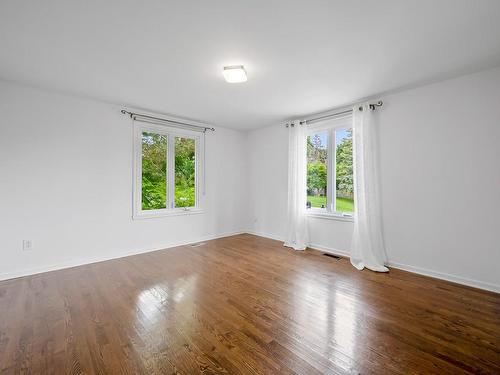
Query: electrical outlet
27, 245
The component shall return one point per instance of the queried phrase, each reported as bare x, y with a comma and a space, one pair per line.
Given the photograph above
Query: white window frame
330, 126
170, 133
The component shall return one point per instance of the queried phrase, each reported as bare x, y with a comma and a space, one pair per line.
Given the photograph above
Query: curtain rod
178, 123
314, 119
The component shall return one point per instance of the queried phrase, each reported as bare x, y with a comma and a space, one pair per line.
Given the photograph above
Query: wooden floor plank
244, 305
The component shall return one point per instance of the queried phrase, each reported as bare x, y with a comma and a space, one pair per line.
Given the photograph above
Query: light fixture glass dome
235, 73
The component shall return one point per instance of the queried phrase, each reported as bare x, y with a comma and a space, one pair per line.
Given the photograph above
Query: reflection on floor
244, 305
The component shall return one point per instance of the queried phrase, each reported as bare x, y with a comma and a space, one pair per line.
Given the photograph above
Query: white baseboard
90, 260
448, 277
266, 235
329, 250
325, 249
418, 270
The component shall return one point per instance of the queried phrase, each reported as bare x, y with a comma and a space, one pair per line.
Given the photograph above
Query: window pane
317, 159
344, 172
184, 172
154, 171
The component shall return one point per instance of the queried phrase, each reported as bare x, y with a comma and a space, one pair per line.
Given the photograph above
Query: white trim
340, 121
97, 259
447, 277
170, 133
325, 249
330, 127
329, 250
417, 270
330, 215
266, 235
170, 182
331, 174
180, 211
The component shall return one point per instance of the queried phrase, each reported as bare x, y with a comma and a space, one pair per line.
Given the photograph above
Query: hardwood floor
244, 305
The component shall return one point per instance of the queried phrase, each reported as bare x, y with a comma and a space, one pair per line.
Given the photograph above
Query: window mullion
333, 170
171, 172
328, 172
138, 170
197, 177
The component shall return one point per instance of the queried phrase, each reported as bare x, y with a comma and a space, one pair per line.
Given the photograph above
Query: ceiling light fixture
235, 73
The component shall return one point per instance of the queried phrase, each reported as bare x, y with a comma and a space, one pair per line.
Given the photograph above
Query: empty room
250, 187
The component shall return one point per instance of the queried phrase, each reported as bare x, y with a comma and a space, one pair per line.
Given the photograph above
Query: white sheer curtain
367, 247
297, 234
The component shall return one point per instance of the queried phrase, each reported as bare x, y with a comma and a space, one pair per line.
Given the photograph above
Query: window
184, 172
330, 186
167, 170
154, 171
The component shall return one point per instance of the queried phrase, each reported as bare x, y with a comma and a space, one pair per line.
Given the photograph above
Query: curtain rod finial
126, 112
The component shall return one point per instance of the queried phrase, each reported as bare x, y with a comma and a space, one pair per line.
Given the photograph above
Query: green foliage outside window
184, 172
317, 175
154, 171
344, 175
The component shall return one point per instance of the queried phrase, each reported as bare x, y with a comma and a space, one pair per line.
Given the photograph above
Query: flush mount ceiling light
235, 73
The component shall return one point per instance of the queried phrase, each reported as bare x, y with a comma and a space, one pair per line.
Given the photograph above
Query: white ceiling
301, 56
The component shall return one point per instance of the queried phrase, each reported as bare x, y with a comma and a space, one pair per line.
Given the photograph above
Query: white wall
66, 184
268, 178
66, 180
440, 177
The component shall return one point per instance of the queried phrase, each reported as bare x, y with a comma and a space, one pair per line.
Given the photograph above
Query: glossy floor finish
243, 305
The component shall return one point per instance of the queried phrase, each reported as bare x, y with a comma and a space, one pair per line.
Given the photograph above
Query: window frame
170, 133
330, 127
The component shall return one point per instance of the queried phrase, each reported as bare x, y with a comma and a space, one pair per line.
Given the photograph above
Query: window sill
330, 216
167, 213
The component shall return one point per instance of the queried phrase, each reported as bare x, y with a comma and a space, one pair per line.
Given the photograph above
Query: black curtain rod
184, 124
371, 105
